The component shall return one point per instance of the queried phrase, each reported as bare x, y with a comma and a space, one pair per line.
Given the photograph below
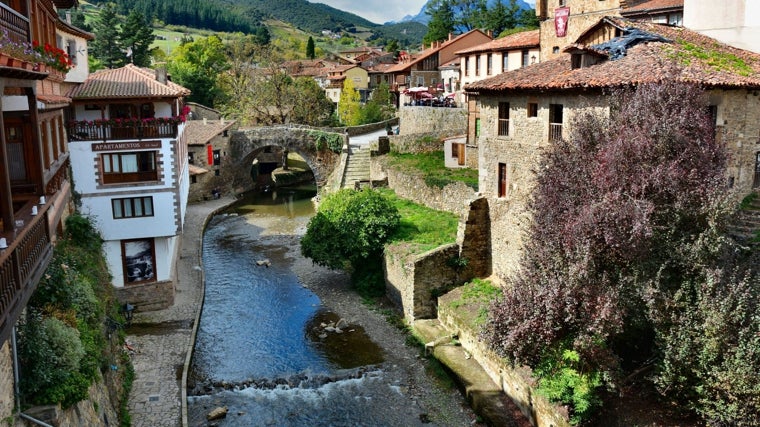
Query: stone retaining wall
517, 382
454, 197
412, 281
432, 119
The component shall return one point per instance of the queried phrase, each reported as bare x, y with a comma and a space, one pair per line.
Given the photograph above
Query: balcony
94, 131
555, 132
14, 24
23, 262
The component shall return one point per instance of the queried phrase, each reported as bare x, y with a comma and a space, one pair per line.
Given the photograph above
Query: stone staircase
357, 173
745, 226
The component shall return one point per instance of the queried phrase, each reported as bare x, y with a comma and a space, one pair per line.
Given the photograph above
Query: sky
381, 11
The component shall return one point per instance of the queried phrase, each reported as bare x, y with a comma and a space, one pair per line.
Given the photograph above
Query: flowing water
266, 349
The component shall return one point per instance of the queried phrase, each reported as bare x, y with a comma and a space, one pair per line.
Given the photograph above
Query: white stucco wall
733, 22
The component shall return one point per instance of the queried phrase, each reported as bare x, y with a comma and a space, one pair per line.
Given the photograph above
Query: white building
129, 160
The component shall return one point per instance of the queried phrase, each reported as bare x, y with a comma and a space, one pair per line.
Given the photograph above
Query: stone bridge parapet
246, 144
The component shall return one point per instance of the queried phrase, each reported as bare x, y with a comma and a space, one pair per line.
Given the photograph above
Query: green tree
106, 47
349, 107
310, 48
197, 66
350, 229
441, 20
502, 17
136, 36
310, 103
379, 107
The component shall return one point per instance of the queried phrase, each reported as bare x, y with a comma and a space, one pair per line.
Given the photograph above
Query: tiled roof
195, 170
513, 41
718, 65
429, 51
198, 133
129, 81
653, 6
380, 68
53, 99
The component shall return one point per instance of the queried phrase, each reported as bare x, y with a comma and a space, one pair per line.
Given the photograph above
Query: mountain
247, 16
423, 17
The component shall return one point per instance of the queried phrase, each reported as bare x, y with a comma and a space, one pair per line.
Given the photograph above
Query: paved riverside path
163, 339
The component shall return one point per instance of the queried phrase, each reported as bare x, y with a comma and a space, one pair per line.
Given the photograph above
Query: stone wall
7, 400
454, 198
432, 119
583, 14
148, 296
516, 382
519, 152
412, 282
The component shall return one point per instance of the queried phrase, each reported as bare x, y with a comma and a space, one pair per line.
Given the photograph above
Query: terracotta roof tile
513, 41
195, 170
199, 134
720, 66
653, 6
129, 81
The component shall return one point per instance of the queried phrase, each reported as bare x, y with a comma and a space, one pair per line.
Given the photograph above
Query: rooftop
686, 56
199, 133
129, 81
513, 41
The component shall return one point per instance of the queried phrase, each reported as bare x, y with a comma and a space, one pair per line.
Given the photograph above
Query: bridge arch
246, 144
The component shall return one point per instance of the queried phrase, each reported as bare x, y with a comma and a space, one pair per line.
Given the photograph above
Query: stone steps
357, 167
484, 395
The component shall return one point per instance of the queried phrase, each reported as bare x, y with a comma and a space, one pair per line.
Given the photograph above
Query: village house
523, 111
422, 69
129, 160
35, 186
207, 142
338, 74
481, 62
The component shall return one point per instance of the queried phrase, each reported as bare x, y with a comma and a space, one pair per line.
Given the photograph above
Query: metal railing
555, 132
503, 127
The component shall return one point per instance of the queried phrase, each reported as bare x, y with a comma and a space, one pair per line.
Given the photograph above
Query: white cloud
378, 11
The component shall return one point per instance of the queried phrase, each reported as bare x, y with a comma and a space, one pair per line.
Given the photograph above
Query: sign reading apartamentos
120, 146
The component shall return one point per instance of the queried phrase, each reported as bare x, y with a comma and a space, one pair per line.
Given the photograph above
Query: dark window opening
532, 109
503, 119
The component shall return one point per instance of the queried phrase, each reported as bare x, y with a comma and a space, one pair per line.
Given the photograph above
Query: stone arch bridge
246, 144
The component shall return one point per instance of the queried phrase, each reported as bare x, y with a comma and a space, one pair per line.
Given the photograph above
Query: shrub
565, 379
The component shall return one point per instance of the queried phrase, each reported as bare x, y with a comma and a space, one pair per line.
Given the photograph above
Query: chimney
161, 74
68, 17
490, 33
205, 121
451, 36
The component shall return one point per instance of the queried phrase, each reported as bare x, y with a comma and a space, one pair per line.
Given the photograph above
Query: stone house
524, 110
129, 159
35, 185
207, 142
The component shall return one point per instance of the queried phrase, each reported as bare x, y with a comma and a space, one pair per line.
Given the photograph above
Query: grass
424, 227
477, 294
433, 169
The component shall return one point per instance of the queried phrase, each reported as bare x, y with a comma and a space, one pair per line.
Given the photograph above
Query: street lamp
128, 310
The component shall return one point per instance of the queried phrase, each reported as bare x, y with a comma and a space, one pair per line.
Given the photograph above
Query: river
271, 352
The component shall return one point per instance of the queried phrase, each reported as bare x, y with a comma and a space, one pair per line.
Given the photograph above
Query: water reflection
266, 348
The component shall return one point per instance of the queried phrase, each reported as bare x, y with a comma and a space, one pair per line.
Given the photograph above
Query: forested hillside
203, 14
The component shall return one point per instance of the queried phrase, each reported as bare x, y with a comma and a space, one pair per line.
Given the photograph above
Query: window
525, 58
477, 127
191, 157
420, 80
489, 64
132, 207
505, 62
477, 65
532, 109
562, 3
138, 259
129, 167
502, 184
503, 119
555, 49
576, 61
466, 65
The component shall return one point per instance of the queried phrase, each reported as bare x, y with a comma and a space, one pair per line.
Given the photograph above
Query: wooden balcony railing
105, 132
555, 132
22, 264
14, 24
